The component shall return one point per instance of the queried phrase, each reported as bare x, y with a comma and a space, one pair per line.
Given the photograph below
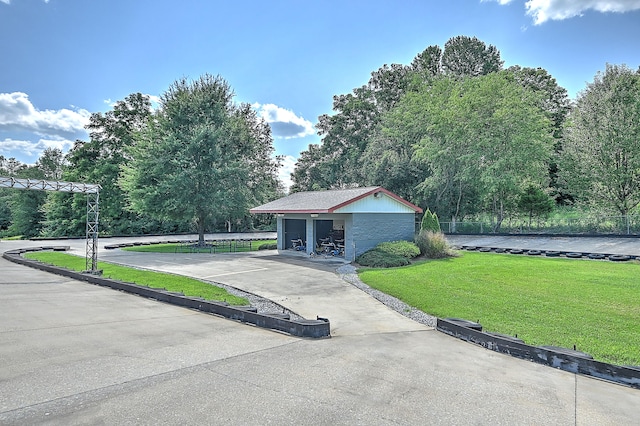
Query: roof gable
337, 201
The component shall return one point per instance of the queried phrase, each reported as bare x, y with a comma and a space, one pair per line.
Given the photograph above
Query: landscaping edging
469, 331
551, 253
564, 360
317, 328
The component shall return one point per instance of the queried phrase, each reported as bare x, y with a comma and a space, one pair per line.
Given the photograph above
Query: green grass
594, 305
177, 248
175, 283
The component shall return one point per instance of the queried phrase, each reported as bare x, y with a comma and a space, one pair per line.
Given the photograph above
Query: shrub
377, 258
268, 246
401, 248
433, 245
430, 222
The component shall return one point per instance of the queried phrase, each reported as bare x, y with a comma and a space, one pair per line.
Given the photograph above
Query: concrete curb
564, 360
317, 328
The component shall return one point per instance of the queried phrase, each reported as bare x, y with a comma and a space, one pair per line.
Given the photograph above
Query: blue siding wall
370, 229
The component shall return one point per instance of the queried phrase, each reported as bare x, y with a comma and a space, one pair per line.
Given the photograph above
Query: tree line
456, 132
197, 163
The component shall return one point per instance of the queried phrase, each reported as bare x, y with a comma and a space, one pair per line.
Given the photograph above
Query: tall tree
600, 158
310, 173
535, 202
5, 194
555, 102
203, 158
469, 57
428, 62
388, 158
346, 134
51, 162
99, 161
451, 184
339, 162
486, 137
26, 206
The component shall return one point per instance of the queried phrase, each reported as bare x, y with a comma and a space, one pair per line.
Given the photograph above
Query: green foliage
469, 57
452, 130
600, 158
338, 161
511, 137
5, 209
268, 246
203, 159
535, 203
389, 254
430, 222
99, 161
433, 245
230, 246
174, 283
377, 258
26, 206
544, 301
401, 248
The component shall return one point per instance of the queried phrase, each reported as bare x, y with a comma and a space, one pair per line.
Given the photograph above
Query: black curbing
318, 328
562, 358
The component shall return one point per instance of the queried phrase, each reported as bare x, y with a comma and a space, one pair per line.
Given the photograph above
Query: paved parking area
604, 245
73, 353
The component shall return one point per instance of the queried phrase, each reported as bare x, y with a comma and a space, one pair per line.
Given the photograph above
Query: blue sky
64, 59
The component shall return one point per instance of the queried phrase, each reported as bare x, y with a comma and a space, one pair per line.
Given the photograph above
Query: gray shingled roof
320, 201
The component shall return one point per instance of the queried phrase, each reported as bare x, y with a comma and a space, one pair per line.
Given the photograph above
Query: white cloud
155, 101
557, 10
17, 113
284, 174
284, 123
9, 1
9, 147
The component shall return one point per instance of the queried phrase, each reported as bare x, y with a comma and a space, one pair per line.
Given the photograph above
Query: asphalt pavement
74, 353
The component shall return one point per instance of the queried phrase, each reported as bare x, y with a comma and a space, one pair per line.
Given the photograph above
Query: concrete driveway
73, 353
308, 288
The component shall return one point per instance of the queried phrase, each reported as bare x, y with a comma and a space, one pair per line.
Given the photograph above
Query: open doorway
329, 236
295, 231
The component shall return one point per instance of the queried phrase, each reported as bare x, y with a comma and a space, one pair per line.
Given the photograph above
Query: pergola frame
93, 208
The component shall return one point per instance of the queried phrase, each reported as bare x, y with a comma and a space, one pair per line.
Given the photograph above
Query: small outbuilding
345, 222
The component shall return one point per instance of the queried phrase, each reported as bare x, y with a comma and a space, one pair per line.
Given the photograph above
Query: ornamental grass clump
433, 245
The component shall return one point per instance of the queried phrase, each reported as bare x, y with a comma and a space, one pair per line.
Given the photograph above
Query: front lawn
220, 247
176, 283
594, 305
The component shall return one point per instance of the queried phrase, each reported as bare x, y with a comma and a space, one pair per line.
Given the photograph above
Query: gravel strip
264, 306
348, 273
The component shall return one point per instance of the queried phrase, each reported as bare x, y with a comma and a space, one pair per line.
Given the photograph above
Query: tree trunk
200, 225
500, 217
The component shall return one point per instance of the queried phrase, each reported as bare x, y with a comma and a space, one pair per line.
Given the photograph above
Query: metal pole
628, 225
93, 209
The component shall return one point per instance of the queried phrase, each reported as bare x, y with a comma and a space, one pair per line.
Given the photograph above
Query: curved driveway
73, 353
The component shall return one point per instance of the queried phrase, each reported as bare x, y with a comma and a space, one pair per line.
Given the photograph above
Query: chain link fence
616, 225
